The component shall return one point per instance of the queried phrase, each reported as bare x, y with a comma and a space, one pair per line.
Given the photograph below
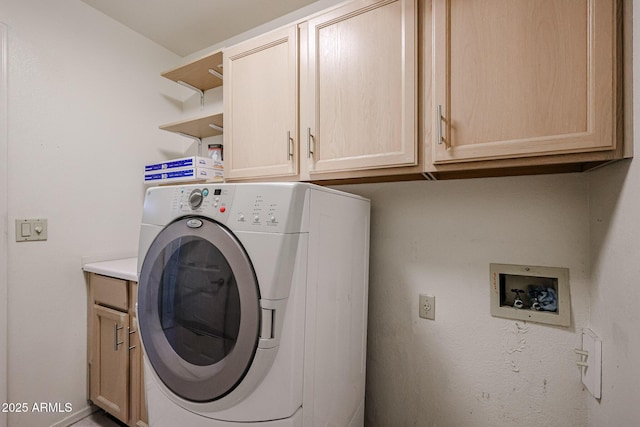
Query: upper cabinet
335, 94
523, 78
398, 89
358, 103
261, 105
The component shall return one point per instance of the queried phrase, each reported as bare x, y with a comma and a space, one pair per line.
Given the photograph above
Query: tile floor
98, 419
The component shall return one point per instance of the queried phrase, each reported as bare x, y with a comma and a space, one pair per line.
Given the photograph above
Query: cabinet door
138, 411
260, 97
138, 402
358, 96
518, 78
110, 363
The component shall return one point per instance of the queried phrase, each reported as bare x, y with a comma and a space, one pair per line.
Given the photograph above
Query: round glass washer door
198, 309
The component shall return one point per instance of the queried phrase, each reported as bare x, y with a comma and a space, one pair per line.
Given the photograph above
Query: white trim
76, 416
4, 222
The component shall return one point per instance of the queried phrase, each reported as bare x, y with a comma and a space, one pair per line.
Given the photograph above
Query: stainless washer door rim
189, 381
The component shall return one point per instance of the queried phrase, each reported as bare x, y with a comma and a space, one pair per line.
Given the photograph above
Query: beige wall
615, 245
85, 94
468, 368
85, 101
3, 220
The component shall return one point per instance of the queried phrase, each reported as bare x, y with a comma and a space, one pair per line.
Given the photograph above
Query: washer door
198, 309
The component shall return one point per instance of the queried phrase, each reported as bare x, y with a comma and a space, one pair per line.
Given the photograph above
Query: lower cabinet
115, 357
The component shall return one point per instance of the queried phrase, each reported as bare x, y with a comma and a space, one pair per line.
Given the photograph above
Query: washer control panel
249, 207
207, 200
272, 208
259, 210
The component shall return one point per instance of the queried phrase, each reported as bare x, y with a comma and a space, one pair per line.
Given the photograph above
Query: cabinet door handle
439, 113
116, 343
131, 347
309, 138
289, 145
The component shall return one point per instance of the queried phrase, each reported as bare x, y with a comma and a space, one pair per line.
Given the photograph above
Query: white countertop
126, 269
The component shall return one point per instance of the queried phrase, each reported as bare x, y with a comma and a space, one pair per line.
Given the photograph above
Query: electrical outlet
427, 308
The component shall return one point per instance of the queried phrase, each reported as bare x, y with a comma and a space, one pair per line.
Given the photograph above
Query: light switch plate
29, 230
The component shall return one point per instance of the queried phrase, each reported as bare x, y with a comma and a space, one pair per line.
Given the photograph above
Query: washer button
223, 209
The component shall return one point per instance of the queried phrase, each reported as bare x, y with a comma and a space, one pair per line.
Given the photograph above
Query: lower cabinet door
110, 364
139, 416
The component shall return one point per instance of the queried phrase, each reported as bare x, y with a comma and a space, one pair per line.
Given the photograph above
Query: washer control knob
272, 218
195, 199
256, 218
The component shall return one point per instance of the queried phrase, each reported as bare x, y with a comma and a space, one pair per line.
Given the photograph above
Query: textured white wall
615, 245
85, 102
85, 93
3, 219
467, 368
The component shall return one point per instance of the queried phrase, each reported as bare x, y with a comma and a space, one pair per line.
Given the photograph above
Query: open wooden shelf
198, 127
197, 73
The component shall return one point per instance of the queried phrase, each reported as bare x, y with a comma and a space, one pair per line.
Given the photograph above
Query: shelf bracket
216, 127
215, 73
195, 138
187, 85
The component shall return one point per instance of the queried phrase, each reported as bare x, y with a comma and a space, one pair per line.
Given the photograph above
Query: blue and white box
182, 163
183, 174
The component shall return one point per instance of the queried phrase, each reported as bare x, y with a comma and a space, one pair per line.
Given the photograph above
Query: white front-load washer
252, 305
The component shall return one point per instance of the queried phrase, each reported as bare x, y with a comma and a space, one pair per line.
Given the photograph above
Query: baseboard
76, 416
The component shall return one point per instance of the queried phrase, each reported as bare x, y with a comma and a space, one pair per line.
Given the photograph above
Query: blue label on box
182, 163
186, 173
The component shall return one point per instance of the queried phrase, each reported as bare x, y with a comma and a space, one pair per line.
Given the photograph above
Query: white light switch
25, 229
28, 230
